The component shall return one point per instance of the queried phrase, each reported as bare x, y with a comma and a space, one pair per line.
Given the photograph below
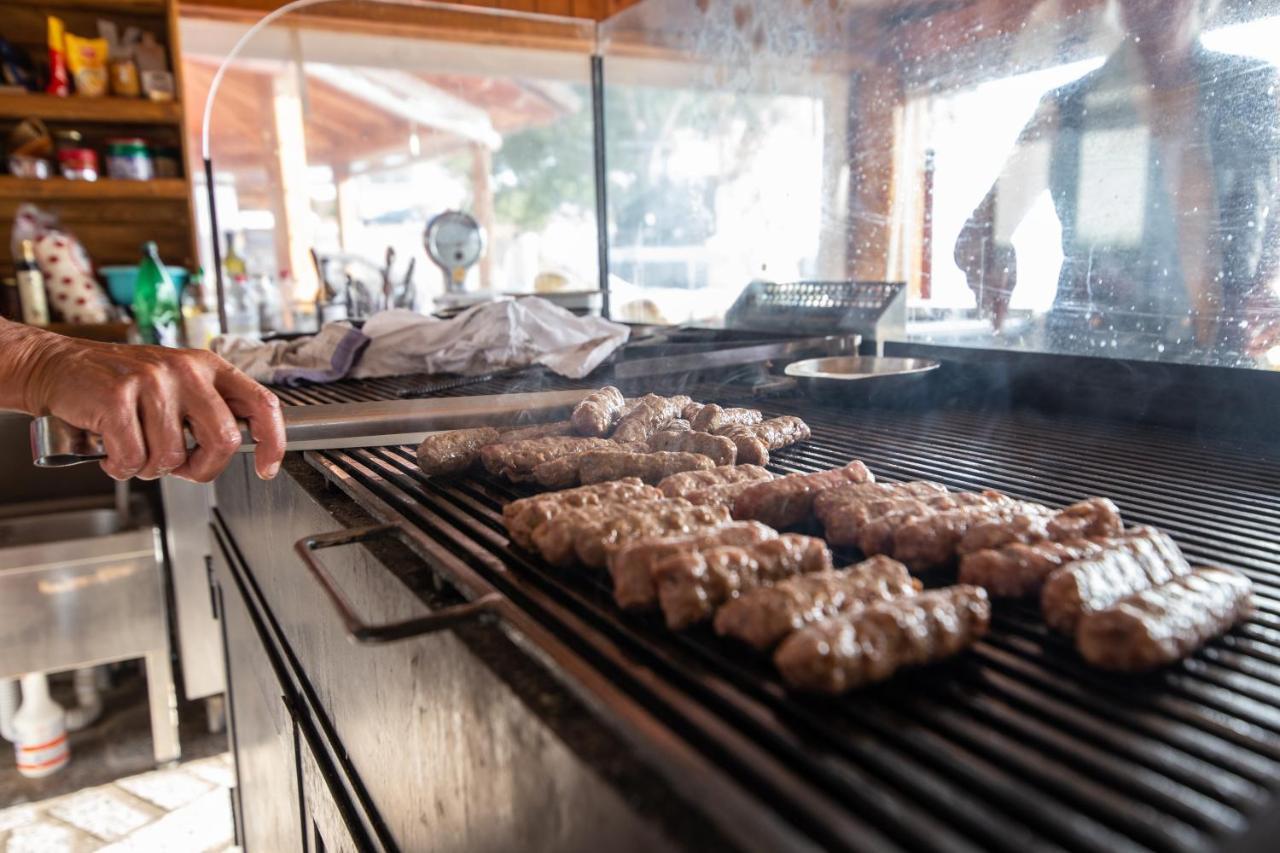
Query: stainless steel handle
55, 443
487, 606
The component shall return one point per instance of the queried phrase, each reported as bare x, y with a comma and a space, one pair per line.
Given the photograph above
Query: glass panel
1084, 177
341, 129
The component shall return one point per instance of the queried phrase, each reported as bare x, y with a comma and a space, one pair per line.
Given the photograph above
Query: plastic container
21, 166
40, 742
121, 280
78, 164
129, 160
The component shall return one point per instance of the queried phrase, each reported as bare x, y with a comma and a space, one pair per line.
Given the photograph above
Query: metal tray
842, 373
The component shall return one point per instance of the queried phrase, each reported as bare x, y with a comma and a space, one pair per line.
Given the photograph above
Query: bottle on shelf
199, 319
232, 264
40, 730
155, 300
242, 308
270, 305
31, 294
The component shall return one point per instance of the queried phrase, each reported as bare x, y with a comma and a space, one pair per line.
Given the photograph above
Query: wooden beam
874, 98
347, 214
482, 205
293, 237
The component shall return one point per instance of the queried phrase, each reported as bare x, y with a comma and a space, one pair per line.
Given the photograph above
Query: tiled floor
186, 809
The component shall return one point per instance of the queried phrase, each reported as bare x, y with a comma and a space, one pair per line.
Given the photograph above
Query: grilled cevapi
524, 516
693, 584
1087, 519
631, 565
600, 466
516, 460
1019, 569
717, 448
598, 412
788, 500
1166, 623
566, 471
551, 430
762, 617
755, 441
650, 415
453, 452
871, 643
1133, 564
713, 418
845, 510
930, 540
876, 535
586, 535
722, 495
679, 485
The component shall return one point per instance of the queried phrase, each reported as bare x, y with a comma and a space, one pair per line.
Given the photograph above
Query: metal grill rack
1016, 745
877, 310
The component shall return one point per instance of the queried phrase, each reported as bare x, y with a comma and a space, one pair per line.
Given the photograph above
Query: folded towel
324, 357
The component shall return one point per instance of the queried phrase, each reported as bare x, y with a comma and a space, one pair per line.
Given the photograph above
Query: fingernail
272, 470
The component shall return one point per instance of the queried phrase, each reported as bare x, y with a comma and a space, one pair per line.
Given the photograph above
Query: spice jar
166, 159
78, 164
129, 160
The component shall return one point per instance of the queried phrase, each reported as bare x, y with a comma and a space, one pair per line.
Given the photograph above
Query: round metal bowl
856, 372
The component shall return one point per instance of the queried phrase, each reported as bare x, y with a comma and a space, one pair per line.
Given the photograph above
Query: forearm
23, 350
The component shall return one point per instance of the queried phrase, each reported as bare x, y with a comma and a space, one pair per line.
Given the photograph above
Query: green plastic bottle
155, 300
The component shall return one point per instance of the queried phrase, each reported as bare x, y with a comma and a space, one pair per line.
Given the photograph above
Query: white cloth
488, 337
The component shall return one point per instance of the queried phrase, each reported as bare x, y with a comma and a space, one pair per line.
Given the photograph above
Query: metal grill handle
487, 606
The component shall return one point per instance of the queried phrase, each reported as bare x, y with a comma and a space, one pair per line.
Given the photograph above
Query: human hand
139, 398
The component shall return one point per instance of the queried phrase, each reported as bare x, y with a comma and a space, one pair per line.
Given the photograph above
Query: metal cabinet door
263, 733
327, 827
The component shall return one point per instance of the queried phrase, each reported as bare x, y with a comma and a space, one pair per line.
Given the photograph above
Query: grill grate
1014, 745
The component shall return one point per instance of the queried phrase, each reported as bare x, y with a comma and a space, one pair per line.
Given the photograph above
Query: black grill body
1016, 745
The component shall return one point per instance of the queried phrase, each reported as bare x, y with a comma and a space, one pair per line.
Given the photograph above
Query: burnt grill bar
1016, 745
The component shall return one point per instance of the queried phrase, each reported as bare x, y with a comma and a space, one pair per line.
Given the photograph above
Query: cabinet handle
485, 607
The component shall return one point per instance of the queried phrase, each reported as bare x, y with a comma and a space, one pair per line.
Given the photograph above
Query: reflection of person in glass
1164, 170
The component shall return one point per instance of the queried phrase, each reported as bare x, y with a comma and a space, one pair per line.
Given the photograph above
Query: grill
1016, 745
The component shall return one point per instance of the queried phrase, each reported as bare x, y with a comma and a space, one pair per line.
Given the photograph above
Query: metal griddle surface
1014, 746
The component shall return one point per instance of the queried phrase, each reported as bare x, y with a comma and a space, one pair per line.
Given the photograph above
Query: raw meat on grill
516, 460
524, 516
1087, 519
717, 448
693, 584
631, 565
876, 535
844, 513
565, 472
1166, 623
586, 535
550, 430
930, 540
871, 643
789, 500
723, 495
678, 485
713, 418
762, 617
755, 441
651, 415
454, 451
1144, 559
601, 465
598, 412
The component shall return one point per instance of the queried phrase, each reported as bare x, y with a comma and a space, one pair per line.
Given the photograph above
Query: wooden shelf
130, 7
89, 110
56, 189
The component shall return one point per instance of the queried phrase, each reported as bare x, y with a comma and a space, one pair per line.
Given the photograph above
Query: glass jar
129, 160
78, 164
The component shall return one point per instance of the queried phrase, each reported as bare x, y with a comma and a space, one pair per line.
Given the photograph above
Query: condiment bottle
35, 304
155, 300
40, 730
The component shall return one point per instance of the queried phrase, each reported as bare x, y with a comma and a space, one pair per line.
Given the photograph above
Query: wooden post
482, 193
348, 215
291, 196
874, 95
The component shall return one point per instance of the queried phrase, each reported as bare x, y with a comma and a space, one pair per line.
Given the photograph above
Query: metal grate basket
875, 309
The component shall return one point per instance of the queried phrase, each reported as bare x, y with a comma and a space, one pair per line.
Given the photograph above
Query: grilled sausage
679, 485
601, 465
551, 430
565, 472
870, 644
516, 460
598, 412
1144, 559
631, 565
928, 541
789, 500
713, 418
845, 511
454, 451
876, 535
717, 448
1019, 569
762, 617
524, 516
693, 584
690, 411
679, 425
1094, 517
722, 495
755, 441
1161, 625
586, 535
651, 414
